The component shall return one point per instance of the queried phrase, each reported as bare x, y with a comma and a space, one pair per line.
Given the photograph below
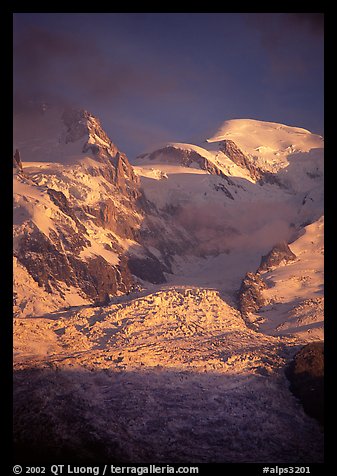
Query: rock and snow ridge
126, 277
259, 151
82, 226
268, 140
108, 221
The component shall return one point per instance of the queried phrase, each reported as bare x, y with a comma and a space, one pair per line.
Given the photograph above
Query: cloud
218, 229
68, 69
288, 39
313, 22
53, 66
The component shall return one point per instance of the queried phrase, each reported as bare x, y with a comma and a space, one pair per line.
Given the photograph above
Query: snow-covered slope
257, 184
195, 157
295, 290
270, 141
289, 156
258, 151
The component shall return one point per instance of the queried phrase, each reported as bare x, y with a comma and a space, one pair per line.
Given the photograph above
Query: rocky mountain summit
81, 125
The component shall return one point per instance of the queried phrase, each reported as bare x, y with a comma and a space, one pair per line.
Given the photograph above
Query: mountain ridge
158, 304
116, 226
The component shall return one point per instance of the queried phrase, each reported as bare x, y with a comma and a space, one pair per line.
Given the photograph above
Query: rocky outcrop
61, 201
125, 178
148, 268
80, 124
250, 294
271, 178
108, 216
261, 176
44, 262
97, 278
221, 186
17, 164
186, 158
306, 376
51, 263
281, 253
239, 158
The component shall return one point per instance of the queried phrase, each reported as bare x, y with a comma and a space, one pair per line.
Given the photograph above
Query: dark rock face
61, 201
81, 124
76, 123
108, 216
68, 241
306, 376
148, 268
280, 253
273, 179
250, 294
17, 161
49, 264
315, 174
44, 262
154, 233
116, 168
97, 278
186, 158
125, 177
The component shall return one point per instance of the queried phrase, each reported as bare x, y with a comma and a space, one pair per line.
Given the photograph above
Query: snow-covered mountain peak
272, 152
267, 139
258, 151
